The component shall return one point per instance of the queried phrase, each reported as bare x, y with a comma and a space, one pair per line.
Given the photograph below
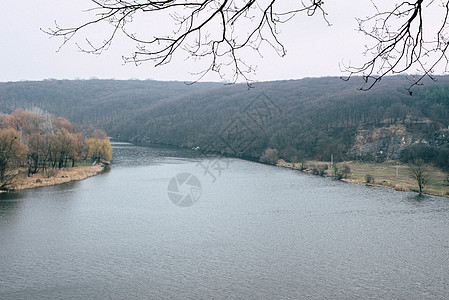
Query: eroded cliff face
388, 142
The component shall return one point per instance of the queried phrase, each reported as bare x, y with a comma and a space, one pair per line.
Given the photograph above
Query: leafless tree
220, 31
409, 34
419, 173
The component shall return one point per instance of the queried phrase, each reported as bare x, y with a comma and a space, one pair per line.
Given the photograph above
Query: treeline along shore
311, 119
39, 149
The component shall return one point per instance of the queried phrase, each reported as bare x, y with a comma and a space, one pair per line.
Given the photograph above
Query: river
166, 223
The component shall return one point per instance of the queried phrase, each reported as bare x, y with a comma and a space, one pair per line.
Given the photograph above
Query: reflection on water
9, 207
9, 196
257, 232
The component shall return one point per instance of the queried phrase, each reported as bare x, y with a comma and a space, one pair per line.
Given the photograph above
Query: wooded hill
302, 119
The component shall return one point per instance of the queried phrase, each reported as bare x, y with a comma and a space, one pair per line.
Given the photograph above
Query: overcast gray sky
314, 49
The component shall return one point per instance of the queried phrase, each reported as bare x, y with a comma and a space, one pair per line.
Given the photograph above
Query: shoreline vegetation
387, 175
60, 176
316, 119
39, 149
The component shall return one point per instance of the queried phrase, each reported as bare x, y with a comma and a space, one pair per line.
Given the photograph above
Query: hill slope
303, 119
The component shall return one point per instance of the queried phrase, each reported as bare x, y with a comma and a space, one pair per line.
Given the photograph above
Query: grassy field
388, 174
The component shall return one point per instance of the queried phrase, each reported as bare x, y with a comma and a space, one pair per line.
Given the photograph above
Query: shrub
319, 169
341, 173
50, 172
270, 156
369, 178
346, 171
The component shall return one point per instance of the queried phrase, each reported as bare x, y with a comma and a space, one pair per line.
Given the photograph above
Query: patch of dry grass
58, 176
387, 174
398, 176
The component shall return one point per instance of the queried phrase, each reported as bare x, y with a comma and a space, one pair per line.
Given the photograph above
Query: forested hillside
302, 119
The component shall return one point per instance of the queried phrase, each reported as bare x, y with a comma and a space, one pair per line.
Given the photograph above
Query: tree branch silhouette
220, 31
401, 42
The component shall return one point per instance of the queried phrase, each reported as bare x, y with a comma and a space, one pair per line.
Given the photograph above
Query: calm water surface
257, 232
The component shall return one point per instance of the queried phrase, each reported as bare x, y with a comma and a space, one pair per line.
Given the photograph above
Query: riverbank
387, 175
60, 176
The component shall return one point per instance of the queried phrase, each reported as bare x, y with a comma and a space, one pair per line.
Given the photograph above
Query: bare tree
220, 31
409, 34
418, 173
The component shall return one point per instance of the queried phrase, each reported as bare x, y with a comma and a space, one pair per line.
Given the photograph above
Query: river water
250, 231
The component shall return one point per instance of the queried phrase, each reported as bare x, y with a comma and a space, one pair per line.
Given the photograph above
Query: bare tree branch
405, 37
218, 31
403, 40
